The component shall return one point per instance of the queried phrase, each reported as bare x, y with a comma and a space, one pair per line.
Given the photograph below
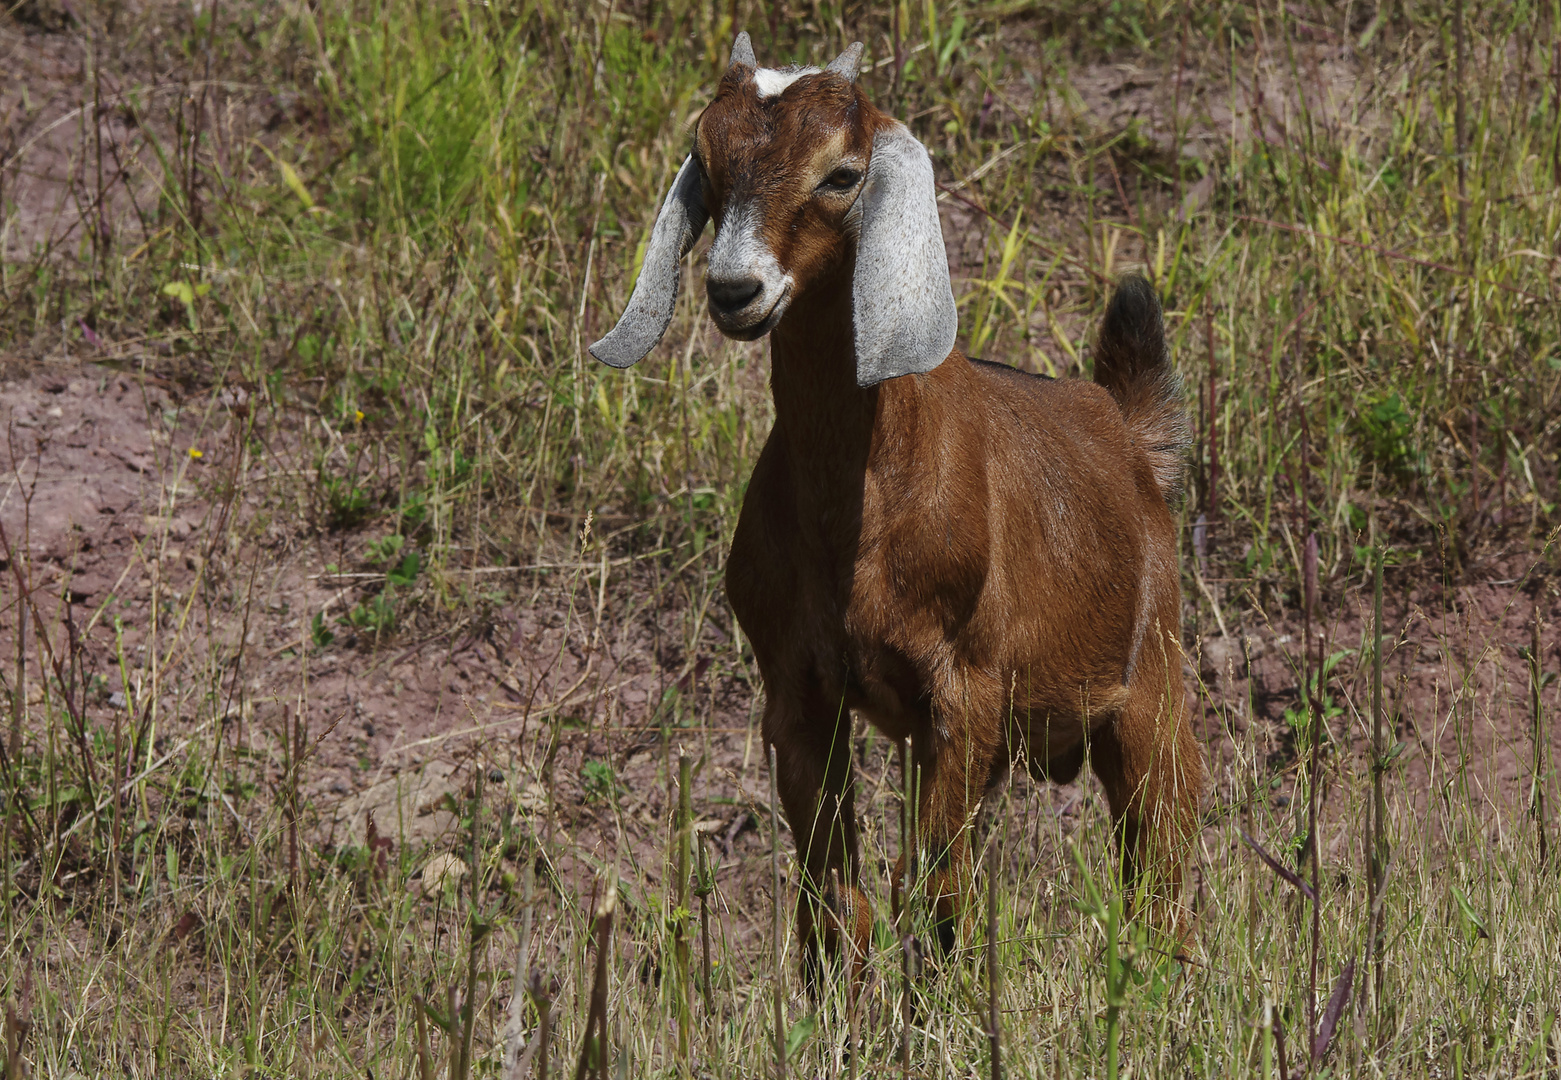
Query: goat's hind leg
817, 786
1148, 761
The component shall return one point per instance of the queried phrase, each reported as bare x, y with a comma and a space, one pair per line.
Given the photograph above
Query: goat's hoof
843, 929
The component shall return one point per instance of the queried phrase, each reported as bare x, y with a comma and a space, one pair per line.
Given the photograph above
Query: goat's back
1071, 442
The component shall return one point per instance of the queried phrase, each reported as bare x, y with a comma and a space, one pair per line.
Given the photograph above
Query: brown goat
972, 558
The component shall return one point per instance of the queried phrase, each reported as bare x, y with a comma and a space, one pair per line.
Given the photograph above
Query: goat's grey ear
848, 65
679, 224
904, 304
742, 51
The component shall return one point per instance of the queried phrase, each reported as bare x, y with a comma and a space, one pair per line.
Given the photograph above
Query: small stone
532, 797
440, 872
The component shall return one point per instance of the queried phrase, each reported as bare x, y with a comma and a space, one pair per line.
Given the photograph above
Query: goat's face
803, 178
783, 158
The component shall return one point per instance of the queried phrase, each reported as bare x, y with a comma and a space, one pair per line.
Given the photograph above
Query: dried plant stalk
680, 840
778, 971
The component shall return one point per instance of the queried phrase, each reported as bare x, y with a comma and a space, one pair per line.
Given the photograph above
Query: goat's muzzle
730, 296
747, 308
748, 289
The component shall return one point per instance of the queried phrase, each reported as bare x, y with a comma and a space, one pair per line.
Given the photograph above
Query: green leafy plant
599, 781
347, 502
376, 616
1322, 700
404, 574
319, 633
1388, 428
385, 549
186, 293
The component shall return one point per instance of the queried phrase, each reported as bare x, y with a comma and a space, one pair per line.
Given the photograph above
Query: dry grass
385, 231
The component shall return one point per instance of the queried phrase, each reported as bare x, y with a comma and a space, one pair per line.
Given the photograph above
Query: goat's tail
1133, 363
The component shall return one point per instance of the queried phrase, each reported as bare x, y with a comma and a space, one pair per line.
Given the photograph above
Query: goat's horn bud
848, 65
742, 51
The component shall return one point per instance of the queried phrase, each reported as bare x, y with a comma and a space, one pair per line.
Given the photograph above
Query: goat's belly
1052, 733
896, 710
1047, 724
1085, 702
1061, 719
894, 723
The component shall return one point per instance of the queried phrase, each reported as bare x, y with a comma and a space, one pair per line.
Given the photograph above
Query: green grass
404, 273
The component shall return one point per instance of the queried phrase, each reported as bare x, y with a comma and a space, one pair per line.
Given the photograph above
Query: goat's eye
842, 179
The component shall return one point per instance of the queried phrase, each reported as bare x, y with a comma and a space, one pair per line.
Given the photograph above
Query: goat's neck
826, 419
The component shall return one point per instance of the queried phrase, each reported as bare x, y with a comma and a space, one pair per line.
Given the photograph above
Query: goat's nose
733, 294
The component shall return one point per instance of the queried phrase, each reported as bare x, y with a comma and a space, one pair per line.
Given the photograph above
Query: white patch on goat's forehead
772, 83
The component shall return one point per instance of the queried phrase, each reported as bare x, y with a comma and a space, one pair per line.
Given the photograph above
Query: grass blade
1335, 1008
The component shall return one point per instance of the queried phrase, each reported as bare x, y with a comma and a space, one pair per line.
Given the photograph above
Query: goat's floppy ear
904, 304
679, 224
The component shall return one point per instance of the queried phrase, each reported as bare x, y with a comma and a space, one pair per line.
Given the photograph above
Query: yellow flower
358, 416
196, 454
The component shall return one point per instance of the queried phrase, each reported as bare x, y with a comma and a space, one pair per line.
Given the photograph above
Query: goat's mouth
755, 320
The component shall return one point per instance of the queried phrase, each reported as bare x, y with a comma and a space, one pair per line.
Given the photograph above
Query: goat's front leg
817, 783
953, 765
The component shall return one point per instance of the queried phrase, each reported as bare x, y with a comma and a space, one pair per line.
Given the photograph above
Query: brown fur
976, 559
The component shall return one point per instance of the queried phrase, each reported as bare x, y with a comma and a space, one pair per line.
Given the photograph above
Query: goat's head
804, 178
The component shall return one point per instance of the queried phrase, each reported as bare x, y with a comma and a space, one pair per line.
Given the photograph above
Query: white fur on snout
740, 253
772, 83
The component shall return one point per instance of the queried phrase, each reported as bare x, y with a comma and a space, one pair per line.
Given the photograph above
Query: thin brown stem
904, 920
1211, 491
993, 975
778, 970
1458, 136
1379, 841
594, 1048
1536, 687
681, 917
